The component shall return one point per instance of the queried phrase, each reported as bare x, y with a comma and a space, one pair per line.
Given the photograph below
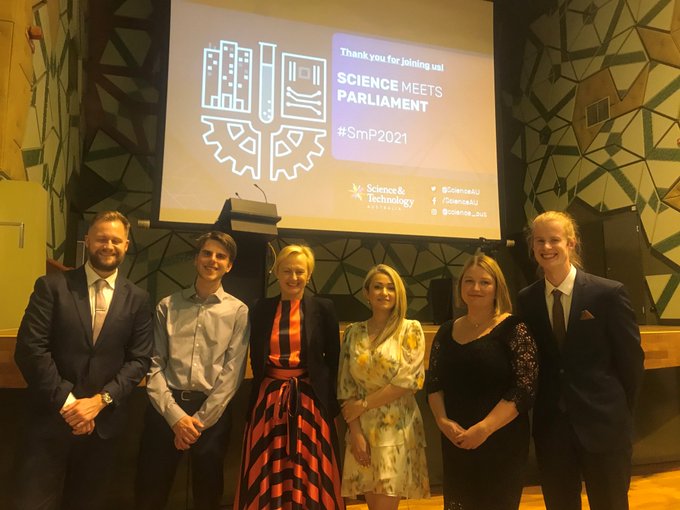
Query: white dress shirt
108, 289
567, 290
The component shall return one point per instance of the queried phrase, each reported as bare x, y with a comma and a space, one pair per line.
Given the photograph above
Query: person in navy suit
83, 345
590, 370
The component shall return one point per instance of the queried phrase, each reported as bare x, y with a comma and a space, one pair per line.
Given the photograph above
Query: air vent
597, 112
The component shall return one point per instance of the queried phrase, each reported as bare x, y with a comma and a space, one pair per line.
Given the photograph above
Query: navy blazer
56, 355
321, 335
599, 370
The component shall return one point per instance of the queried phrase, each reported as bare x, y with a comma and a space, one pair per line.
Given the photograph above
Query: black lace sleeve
524, 360
433, 382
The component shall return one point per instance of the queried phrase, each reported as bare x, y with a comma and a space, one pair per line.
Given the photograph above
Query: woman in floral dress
381, 368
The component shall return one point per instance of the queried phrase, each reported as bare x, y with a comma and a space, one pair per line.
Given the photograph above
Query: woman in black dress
481, 382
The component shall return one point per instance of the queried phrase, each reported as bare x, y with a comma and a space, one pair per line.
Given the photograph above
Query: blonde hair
295, 249
501, 302
398, 313
571, 231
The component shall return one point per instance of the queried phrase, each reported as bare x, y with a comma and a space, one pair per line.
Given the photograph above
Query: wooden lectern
252, 224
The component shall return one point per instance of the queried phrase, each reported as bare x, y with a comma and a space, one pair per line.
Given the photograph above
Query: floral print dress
394, 431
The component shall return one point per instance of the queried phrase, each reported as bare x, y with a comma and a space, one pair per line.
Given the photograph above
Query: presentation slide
343, 128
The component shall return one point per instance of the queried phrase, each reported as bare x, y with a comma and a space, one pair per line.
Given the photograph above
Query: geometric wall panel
665, 291
52, 141
666, 237
672, 197
628, 54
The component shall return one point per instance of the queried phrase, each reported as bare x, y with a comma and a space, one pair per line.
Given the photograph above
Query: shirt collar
567, 285
92, 276
218, 296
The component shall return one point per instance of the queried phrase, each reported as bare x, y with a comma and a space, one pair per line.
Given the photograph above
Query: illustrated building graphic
227, 74
289, 135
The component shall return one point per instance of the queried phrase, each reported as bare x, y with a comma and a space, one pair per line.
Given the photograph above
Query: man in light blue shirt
200, 346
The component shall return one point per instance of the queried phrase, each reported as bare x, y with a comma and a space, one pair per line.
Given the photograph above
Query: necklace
476, 325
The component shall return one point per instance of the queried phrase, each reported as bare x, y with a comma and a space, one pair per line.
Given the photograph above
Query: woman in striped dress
290, 450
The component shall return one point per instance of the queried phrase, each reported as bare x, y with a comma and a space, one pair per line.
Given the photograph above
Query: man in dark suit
590, 369
84, 343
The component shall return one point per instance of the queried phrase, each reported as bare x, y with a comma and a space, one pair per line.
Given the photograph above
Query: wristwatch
106, 398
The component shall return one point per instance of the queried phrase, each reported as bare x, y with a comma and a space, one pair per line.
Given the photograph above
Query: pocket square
586, 315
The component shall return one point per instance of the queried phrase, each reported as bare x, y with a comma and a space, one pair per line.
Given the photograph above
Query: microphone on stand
489, 247
263, 193
237, 195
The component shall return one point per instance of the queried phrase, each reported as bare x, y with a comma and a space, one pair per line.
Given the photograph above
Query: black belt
188, 395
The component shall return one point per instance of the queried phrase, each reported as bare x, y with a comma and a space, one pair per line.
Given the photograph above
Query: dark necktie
559, 328
100, 308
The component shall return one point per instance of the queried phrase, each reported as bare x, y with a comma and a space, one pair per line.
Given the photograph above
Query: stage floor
650, 491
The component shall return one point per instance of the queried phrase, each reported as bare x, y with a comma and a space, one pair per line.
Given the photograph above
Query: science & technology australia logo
357, 192
271, 132
382, 197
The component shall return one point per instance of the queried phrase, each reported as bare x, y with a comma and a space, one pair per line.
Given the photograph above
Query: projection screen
370, 117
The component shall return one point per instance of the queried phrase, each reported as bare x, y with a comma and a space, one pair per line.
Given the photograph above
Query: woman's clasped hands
466, 439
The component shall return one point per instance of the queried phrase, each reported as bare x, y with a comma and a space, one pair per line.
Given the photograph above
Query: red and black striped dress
288, 457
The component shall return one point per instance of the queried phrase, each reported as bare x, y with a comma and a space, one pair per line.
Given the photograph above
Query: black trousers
158, 460
56, 470
563, 463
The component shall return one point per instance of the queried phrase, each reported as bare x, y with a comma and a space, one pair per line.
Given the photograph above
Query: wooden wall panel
16, 77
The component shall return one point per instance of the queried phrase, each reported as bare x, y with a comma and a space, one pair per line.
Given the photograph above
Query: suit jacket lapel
77, 283
309, 310
577, 301
542, 309
115, 307
543, 332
